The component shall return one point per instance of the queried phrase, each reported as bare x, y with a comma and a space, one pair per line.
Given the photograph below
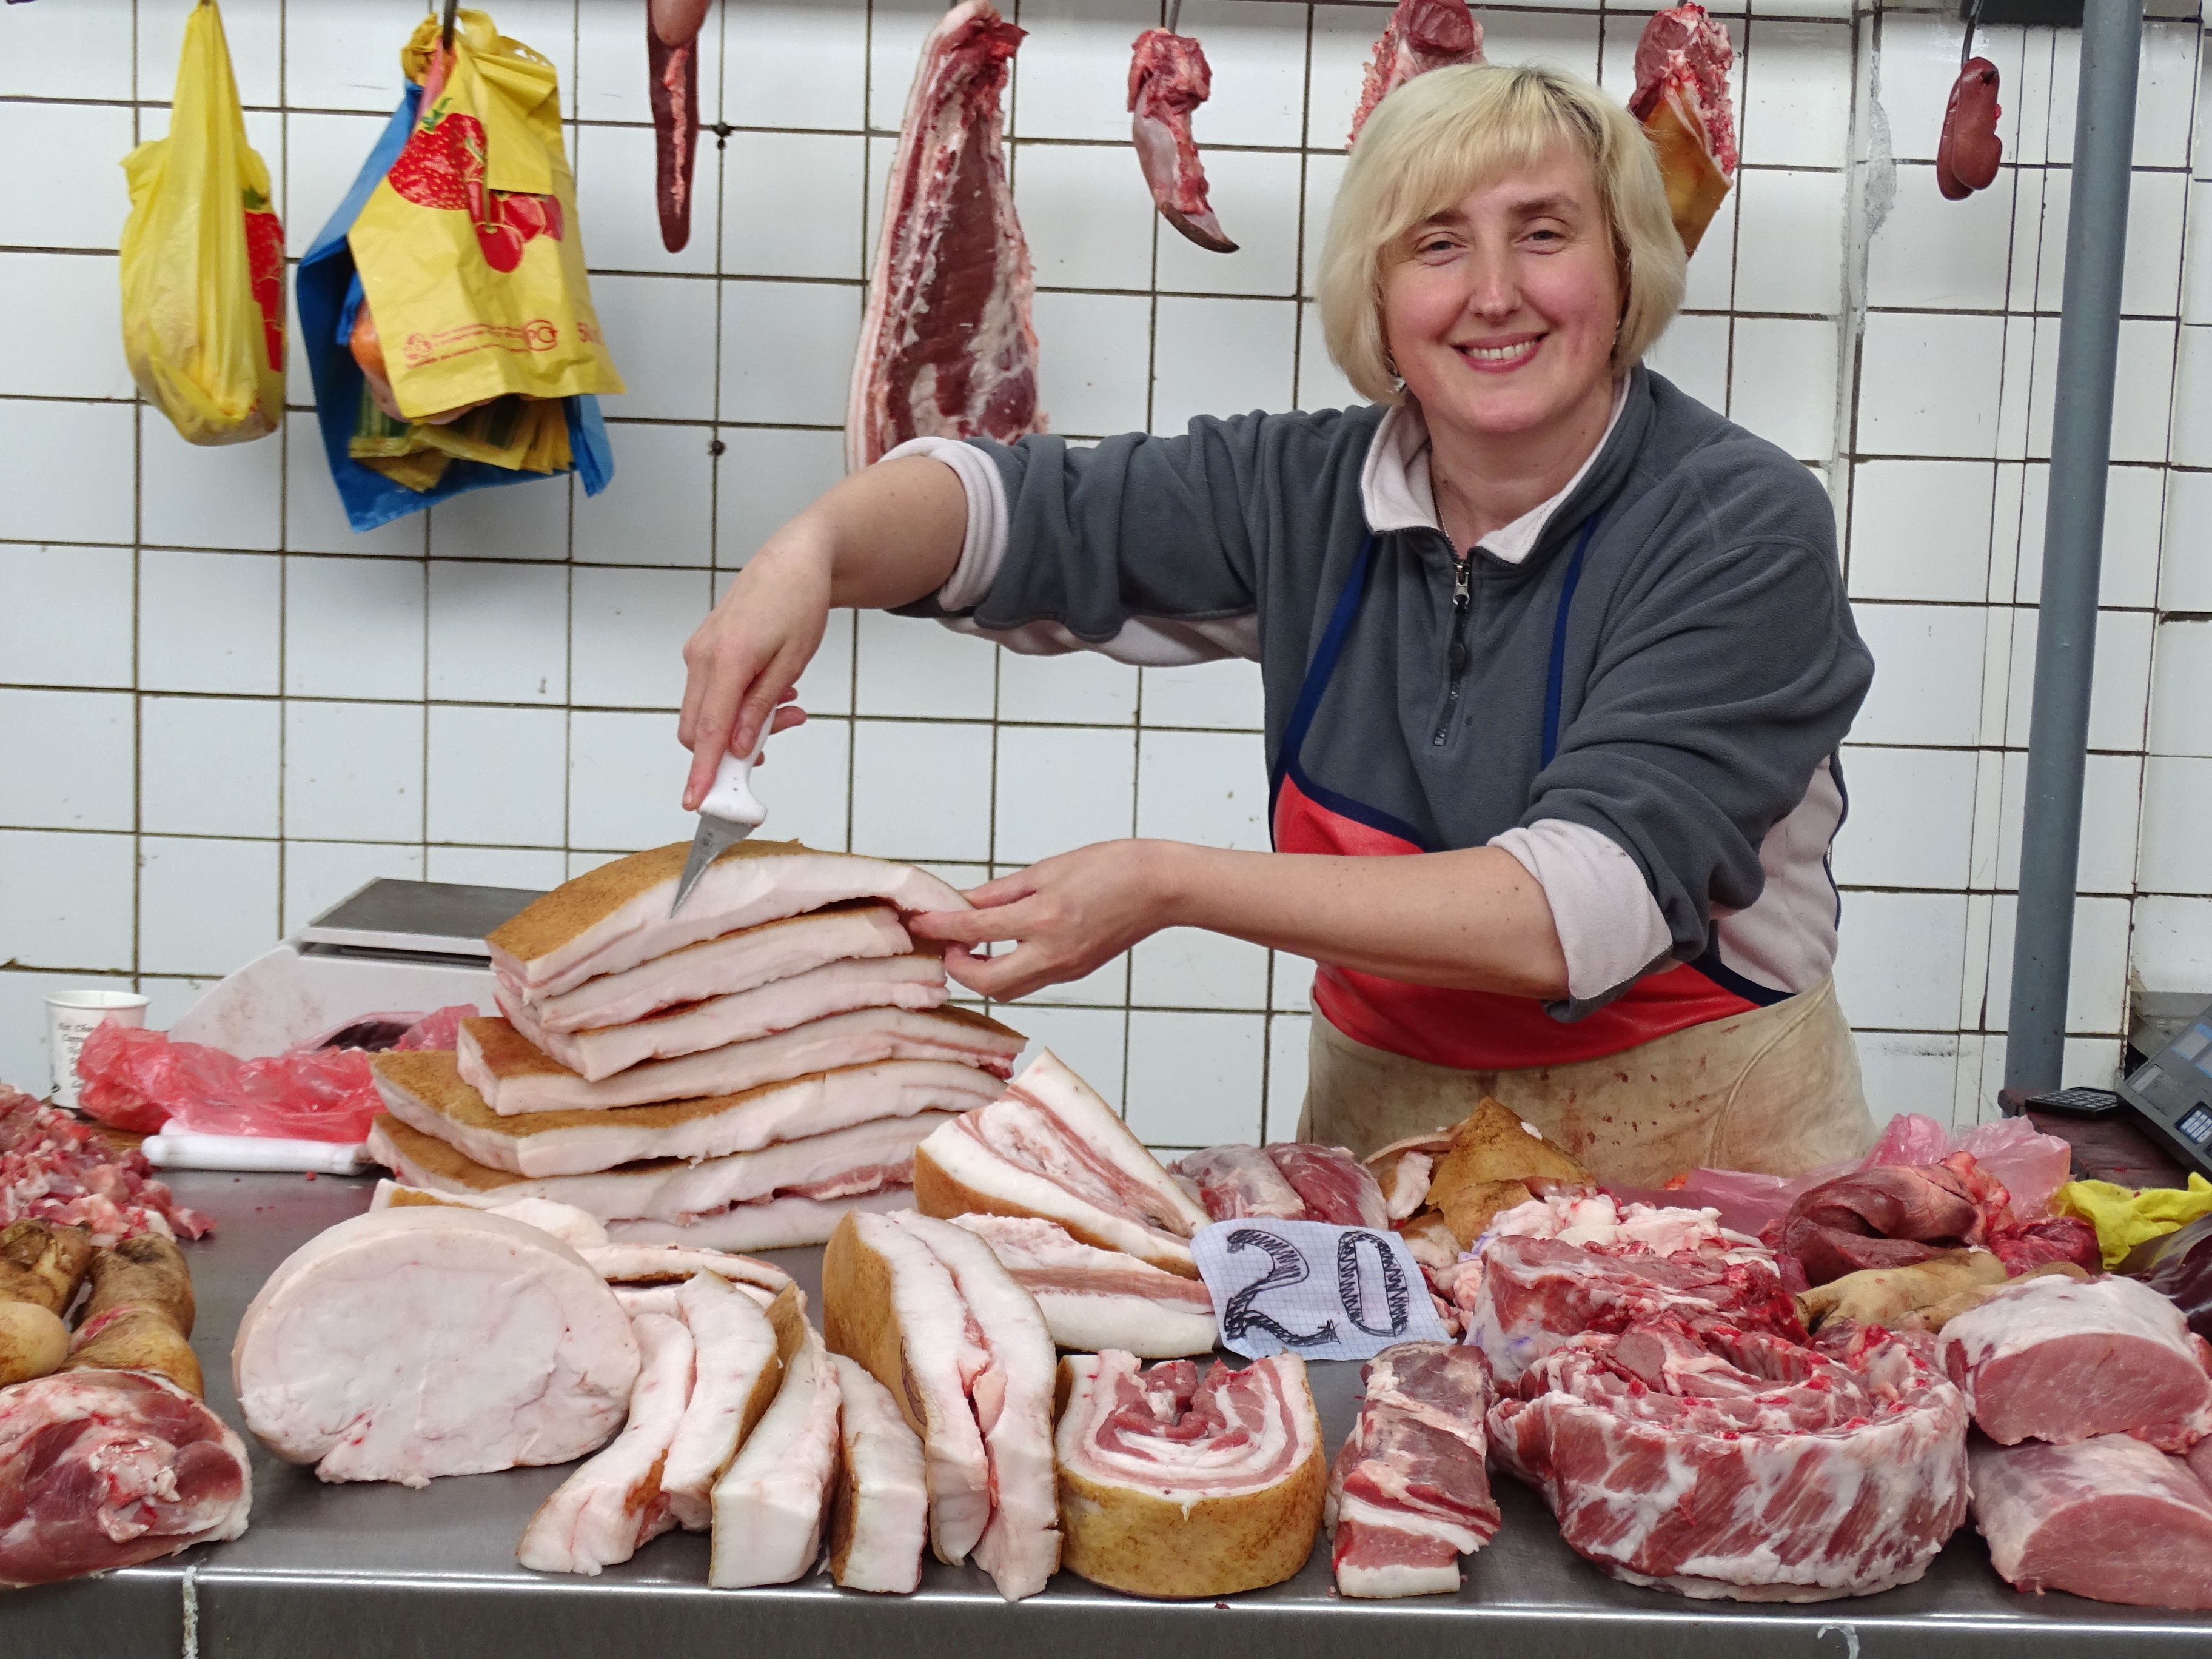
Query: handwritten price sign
1308, 1288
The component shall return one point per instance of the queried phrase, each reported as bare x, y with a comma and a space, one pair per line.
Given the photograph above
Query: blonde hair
1442, 134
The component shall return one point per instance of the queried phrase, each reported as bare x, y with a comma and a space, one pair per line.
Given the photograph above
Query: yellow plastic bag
2125, 1217
204, 260
467, 249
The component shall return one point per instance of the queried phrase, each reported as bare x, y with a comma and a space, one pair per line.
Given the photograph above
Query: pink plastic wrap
140, 1080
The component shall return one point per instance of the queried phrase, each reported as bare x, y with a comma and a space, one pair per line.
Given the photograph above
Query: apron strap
1322, 668
1554, 680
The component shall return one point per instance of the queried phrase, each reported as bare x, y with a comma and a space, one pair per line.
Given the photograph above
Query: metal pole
2073, 540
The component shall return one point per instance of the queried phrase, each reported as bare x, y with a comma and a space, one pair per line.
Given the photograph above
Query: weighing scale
391, 949
2171, 1094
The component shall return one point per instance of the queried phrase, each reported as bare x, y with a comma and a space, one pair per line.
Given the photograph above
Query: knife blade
730, 813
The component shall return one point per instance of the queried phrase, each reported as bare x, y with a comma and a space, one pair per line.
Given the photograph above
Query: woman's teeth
1496, 354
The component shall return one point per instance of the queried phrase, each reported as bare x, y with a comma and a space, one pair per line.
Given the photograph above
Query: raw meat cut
1013, 1398
425, 1093
2056, 1359
1173, 1485
106, 1469
1237, 1181
602, 1513
721, 967
1967, 154
2110, 1519
741, 1355
888, 1303
1052, 1148
770, 1507
670, 1264
672, 58
1093, 1299
564, 1221
880, 1507
1421, 35
865, 1157
612, 919
1597, 1219
1168, 81
1336, 1188
410, 1343
1408, 1495
52, 1168
2027, 1245
766, 1223
947, 348
1681, 96
513, 1078
1891, 1216
1720, 1462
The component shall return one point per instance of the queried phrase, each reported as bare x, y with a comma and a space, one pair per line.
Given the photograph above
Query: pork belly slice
425, 1090
721, 967
1716, 1463
888, 1303
100, 1469
1408, 1494
766, 1223
513, 1078
637, 1264
880, 1507
1092, 1298
1013, 1396
2110, 1517
2059, 1359
411, 1343
578, 1230
602, 1513
863, 1158
610, 920
770, 1507
838, 988
1052, 1148
742, 1353
1175, 1485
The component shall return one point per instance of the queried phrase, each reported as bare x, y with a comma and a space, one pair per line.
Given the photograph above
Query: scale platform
2172, 1093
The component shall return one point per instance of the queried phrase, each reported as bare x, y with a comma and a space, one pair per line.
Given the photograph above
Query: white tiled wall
220, 710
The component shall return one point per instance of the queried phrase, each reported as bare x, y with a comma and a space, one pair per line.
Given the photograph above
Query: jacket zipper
1455, 652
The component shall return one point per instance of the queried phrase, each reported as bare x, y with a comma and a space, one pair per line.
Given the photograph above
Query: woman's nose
1493, 291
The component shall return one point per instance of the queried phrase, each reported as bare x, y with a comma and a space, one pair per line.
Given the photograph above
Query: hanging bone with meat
1421, 35
1168, 79
671, 55
1681, 96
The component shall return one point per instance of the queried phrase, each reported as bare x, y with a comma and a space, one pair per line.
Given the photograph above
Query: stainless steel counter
380, 1572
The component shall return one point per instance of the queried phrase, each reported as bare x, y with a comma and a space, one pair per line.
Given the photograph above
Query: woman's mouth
1500, 357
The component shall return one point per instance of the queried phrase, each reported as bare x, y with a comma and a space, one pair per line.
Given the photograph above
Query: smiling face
1500, 310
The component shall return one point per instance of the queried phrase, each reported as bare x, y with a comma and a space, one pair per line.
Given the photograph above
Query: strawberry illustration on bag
265, 268
443, 166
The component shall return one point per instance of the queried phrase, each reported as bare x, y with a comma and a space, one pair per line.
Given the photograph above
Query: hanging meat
672, 56
1168, 81
1681, 96
947, 348
1421, 35
1967, 155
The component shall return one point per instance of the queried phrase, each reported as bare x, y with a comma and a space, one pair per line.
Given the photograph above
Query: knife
730, 813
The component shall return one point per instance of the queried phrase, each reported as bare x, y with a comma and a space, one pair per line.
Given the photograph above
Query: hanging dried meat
1681, 96
671, 55
1168, 79
1421, 35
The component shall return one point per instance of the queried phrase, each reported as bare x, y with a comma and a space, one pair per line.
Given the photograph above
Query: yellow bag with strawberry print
203, 258
467, 249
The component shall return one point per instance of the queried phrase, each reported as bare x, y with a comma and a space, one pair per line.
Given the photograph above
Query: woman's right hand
745, 659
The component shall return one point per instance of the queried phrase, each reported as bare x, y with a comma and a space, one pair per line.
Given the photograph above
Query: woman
1556, 662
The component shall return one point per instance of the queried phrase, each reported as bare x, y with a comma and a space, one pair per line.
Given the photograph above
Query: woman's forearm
1472, 920
891, 533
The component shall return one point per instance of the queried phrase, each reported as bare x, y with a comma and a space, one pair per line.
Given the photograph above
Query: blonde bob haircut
1443, 134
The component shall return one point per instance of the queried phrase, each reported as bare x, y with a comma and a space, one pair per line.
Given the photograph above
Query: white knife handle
733, 796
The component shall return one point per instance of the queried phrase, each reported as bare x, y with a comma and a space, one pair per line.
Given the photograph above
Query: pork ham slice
407, 1344
1168, 79
610, 920
1178, 1485
947, 348
1421, 35
601, 1514
1408, 1494
1236, 1180
880, 1507
1052, 1148
100, 1469
1093, 1299
2058, 1359
500, 1064
1681, 97
770, 1507
741, 1353
426, 1091
865, 1157
2109, 1518
1718, 1462
721, 967
782, 1223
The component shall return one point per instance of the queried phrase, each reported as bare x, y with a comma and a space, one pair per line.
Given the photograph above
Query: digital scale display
2173, 1090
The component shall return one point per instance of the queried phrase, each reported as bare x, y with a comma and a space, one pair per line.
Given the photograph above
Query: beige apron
1775, 1090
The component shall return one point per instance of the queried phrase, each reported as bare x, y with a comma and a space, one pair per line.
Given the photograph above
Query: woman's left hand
1070, 914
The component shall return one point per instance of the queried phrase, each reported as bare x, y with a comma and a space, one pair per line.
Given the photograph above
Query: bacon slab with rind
1408, 1494
1093, 1299
772, 1505
741, 1348
879, 1509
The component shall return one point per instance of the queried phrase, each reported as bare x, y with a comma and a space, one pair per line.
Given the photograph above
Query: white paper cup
70, 1018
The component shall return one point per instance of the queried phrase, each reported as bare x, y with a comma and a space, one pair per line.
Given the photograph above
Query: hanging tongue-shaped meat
1421, 35
1168, 79
672, 56
1967, 155
1682, 65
